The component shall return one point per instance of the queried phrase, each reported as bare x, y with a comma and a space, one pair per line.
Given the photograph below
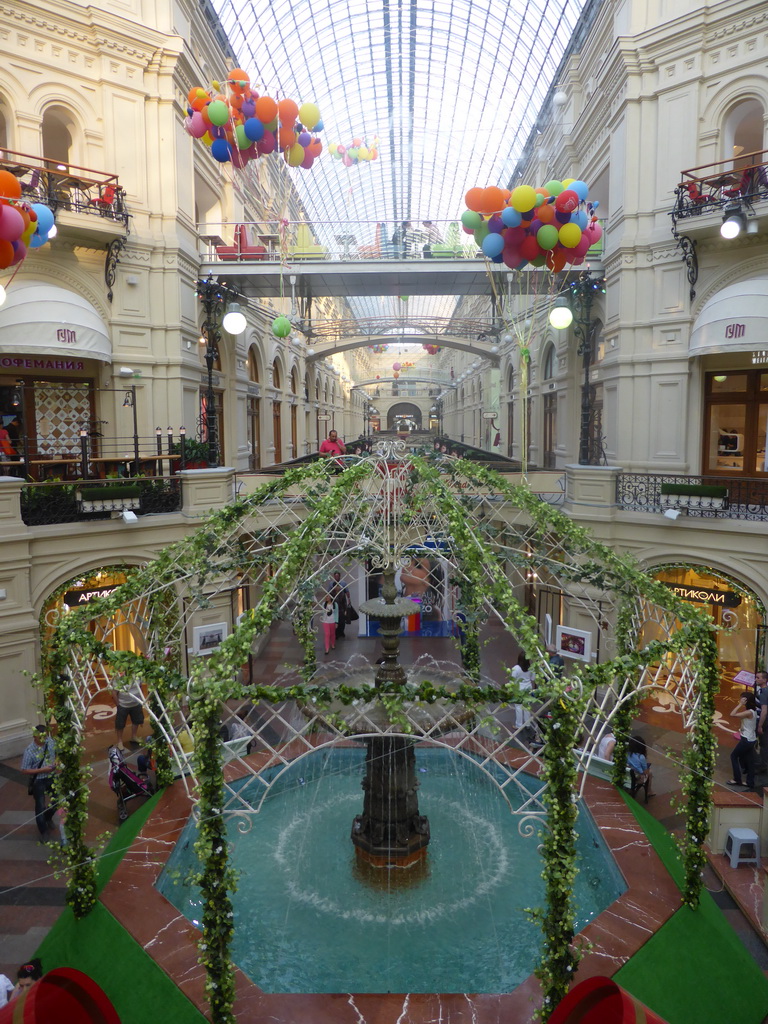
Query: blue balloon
511, 217
44, 219
580, 218
318, 127
581, 188
221, 151
254, 129
492, 245
37, 240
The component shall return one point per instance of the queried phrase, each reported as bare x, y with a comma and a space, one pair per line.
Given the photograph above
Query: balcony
709, 189
698, 497
86, 202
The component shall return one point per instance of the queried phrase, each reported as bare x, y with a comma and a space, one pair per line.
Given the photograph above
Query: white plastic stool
738, 838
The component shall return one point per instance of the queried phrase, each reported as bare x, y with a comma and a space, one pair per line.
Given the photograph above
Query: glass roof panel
452, 89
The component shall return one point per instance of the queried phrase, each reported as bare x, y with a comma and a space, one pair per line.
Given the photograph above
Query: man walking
38, 761
129, 704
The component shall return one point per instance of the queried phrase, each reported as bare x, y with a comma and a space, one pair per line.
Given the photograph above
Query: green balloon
281, 327
243, 142
471, 220
480, 232
218, 112
554, 187
547, 236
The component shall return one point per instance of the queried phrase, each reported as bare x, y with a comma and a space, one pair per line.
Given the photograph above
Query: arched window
58, 128
3, 126
317, 389
294, 382
548, 364
743, 131
253, 366
277, 380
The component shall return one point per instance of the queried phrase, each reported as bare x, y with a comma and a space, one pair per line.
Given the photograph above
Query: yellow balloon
523, 198
570, 235
567, 181
332, 147
295, 154
363, 153
208, 139
309, 114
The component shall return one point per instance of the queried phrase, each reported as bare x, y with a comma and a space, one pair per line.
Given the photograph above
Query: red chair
105, 199
696, 196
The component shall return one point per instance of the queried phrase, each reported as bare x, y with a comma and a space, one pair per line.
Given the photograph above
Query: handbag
351, 615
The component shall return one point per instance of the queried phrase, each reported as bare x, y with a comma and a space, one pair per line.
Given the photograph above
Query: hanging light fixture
561, 314
128, 400
234, 321
734, 221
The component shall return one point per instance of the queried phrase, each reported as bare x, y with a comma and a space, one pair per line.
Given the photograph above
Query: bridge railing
339, 241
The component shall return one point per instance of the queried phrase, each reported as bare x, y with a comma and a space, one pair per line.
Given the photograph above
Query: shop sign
77, 598
37, 363
704, 595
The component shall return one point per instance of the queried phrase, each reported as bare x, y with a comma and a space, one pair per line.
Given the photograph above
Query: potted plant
195, 453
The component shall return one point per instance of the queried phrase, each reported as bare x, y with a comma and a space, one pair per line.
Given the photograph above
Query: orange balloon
357, 142
286, 136
204, 114
238, 80
493, 200
473, 199
236, 101
507, 194
288, 111
546, 213
556, 259
266, 109
199, 102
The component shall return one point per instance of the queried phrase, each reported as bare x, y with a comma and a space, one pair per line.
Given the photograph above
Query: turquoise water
308, 920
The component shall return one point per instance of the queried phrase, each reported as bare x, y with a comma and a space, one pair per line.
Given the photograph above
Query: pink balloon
396, 366
347, 160
11, 224
597, 233
584, 243
197, 126
511, 256
307, 162
267, 144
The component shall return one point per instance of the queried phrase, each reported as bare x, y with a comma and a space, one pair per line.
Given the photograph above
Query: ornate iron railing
743, 498
46, 504
713, 186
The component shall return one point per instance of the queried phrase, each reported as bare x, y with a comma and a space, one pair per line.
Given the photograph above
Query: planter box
694, 496
108, 499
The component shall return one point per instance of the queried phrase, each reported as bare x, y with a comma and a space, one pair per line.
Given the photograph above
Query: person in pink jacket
332, 445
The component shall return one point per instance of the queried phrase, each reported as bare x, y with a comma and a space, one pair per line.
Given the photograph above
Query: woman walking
330, 621
743, 754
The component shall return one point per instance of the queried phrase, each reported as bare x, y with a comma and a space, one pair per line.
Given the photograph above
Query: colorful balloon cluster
357, 152
378, 349
548, 226
243, 125
431, 349
22, 225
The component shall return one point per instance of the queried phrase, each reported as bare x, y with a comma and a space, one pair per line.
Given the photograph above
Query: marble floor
31, 897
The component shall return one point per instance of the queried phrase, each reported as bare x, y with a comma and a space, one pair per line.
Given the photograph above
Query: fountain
390, 832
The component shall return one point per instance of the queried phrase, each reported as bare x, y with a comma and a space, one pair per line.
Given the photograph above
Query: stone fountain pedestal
390, 832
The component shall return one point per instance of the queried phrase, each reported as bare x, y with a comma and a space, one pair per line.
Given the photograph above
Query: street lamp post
221, 309
577, 309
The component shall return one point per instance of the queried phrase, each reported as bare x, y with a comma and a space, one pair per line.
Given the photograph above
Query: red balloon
266, 144
557, 258
6, 254
567, 201
530, 248
511, 256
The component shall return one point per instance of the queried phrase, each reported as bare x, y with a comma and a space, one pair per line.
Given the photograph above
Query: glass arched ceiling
452, 88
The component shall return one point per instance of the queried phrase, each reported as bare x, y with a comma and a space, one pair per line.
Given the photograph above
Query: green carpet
694, 968
100, 947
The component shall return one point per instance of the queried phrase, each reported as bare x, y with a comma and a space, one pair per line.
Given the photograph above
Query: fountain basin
307, 920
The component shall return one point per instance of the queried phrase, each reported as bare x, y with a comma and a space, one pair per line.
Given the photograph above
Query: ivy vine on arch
282, 541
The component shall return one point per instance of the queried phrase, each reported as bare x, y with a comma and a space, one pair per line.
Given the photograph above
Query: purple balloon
496, 224
562, 217
304, 139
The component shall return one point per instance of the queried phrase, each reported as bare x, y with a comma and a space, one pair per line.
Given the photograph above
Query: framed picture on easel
574, 643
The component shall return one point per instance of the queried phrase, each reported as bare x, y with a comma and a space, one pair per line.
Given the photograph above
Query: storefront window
735, 423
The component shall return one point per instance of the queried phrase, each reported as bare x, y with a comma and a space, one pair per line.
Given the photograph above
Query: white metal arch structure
386, 508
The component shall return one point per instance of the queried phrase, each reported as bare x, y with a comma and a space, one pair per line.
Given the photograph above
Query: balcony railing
44, 504
713, 186
339, 241
701, 497
66, 186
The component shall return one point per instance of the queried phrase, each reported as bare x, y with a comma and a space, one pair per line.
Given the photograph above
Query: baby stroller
126, 782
